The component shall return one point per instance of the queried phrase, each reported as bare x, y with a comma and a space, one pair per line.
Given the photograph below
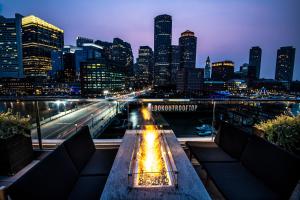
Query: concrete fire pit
187, 184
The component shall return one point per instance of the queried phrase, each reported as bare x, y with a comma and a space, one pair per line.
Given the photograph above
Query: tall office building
121, 55
41, 41
207, 69
145, 65
122, 59
56, 63
91, 51
11, 63
222, 71
162, 45
107, 48
255, 60
285, 63
82, 40
97, 73
78, 51
251, 75
69, 72
244, 71
175, 62
190, 79
80, 54
188, 44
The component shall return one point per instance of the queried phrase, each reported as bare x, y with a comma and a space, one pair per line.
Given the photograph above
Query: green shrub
11, 124
283, 131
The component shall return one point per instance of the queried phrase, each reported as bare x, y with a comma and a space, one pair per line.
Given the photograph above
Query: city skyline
220, 42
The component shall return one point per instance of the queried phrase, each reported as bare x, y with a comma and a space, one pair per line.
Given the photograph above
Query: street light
105, 92
76, 127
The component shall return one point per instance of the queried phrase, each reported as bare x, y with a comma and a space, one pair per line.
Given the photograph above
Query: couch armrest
202, 144
296, 193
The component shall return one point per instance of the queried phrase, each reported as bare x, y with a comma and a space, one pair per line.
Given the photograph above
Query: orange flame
146, 114
151, 165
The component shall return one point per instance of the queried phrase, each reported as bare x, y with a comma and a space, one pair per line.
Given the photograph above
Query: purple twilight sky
226, 29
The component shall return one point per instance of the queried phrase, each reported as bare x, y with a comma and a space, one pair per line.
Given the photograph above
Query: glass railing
53, 119
60, 118
194, 118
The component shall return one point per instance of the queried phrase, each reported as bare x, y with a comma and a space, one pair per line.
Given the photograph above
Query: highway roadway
65, 126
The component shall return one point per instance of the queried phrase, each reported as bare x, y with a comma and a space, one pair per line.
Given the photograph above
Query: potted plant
283, 131
15, 143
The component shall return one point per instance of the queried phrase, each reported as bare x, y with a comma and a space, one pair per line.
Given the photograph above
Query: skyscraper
78, 51
162, 45
82, 40
121, 55
41, 40
56, 63
285, 63
251, 75
107, 48
255, 60
244, 71
222, 71
175, 62
188, 44
207, 69
97, 73
122, 59
117, 53
91, 51
69, 72
11, 63
190, 79
145, 65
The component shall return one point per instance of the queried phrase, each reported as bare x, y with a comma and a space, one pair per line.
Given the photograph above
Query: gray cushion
232, 140
80, 147
52, 178
276, 167
209, 153
100, 163
88, 187
236, 182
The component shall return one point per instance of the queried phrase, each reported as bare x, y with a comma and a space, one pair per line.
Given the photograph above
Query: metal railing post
38, 124
213, 121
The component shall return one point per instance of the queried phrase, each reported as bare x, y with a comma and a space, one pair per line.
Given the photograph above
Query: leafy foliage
283, 131
11, 124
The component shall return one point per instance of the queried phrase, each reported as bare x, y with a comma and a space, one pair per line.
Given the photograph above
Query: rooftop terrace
94, 156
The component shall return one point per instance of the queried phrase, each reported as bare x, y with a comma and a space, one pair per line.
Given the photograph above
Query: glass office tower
145, 65
255, 60
41, 41
285, 63
162, 48
11, 65
188, 44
